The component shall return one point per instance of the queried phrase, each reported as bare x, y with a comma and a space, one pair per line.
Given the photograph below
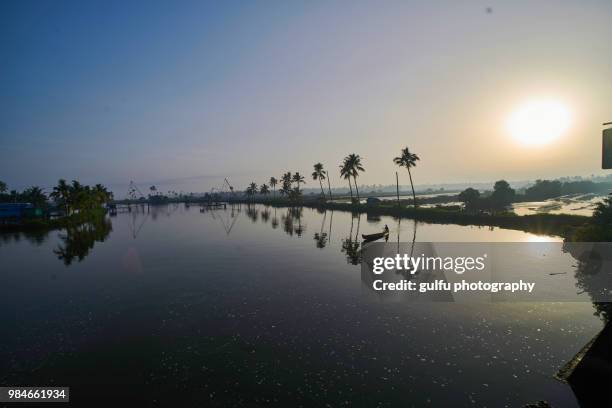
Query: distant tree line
545, 189
503, 195
70, 197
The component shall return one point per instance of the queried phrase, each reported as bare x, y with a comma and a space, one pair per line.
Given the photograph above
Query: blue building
17, 211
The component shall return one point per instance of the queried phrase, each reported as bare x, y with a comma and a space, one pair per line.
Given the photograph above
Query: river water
248, 306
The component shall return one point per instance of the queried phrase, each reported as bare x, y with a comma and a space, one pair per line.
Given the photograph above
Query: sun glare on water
541, 122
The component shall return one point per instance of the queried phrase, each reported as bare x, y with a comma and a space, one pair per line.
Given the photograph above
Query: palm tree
264, 189
34, 195
319, 174
345, 172
298, 178
354, 165
408, 160
101, 194
286, 183
61, 195
251, 189
273, 182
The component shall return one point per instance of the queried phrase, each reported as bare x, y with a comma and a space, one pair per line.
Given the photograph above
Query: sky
184, 93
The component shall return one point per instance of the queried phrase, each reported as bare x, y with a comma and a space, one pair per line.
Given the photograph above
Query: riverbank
562, 225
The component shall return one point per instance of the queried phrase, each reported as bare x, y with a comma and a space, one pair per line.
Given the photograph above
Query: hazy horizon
185, 94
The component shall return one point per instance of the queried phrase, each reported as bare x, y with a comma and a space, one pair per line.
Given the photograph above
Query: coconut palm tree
273, 182
354, 164
34, 195
297, 179
251, 190
264, 189
286, 183
319, 174
345, 172
408, 160
61, 195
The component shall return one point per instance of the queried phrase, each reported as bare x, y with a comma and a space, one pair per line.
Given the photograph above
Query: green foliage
600, 227
603, 213
78, 197
469, 197
543, 189
35, 196
503, 195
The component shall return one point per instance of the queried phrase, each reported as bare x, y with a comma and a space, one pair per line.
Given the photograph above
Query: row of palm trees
78, 197
349, 169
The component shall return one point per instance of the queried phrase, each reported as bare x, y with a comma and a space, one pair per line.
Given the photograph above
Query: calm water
264, 306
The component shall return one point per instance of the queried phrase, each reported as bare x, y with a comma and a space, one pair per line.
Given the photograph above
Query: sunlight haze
184, 96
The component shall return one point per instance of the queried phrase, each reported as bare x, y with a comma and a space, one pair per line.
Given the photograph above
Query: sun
539, 122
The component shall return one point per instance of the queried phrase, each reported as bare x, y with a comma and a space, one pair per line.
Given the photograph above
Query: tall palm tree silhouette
353, 162
408, 160
273, 181
345, 172
297, 179
319, 174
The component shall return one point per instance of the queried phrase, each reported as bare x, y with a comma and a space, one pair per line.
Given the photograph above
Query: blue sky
185, 93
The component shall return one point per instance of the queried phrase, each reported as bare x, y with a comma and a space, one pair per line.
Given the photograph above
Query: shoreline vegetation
67, 206
75, 203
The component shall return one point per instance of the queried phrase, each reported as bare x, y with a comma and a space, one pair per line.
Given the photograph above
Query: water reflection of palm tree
265, 215
252, 213
78, 241
287, 220
414, 230
321, 237
274, 222
351, 246
297, 213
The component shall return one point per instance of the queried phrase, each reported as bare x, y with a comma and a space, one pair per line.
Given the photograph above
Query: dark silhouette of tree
3, 187
603, 212
544, 189
408, 160
273, 181
35, 196
319, 174
251, 190
503, 195
264, 189
286, 180
469, 197
61, 195
298, 179
353, 162
345, 172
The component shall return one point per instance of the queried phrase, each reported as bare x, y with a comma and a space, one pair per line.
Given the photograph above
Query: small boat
374, 237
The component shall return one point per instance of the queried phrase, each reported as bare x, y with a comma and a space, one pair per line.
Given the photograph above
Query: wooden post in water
397, 187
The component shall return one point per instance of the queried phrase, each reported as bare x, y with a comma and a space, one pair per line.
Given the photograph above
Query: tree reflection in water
351, 246
252, 213
79, 240
321, 237
274, 222
289, 220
